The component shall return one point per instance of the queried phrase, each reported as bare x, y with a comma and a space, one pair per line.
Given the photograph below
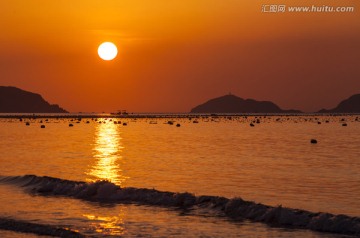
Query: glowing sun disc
107, 51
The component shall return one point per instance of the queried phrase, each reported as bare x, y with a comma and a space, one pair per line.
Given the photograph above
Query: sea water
272, 162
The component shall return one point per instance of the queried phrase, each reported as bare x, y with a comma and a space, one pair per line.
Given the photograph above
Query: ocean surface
271, 162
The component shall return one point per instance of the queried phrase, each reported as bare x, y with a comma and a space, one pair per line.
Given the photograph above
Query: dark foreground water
272, 163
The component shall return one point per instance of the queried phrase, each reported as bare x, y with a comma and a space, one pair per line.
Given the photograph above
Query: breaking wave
236, 208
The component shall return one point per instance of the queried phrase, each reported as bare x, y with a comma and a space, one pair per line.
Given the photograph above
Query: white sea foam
236, 208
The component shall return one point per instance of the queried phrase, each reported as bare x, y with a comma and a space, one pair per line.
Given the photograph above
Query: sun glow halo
107, 51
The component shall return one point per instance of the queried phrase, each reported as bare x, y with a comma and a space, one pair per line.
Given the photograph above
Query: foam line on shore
236, 208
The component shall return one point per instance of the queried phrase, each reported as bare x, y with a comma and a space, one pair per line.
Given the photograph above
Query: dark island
233, 104
15, 100
350, 105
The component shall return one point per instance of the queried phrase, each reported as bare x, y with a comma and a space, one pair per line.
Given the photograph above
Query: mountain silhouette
233, 104
350, 105
15, 100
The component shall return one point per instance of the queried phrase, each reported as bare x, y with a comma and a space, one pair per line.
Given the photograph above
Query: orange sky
174, 55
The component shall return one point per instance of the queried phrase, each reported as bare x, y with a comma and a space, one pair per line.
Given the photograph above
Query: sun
107, 51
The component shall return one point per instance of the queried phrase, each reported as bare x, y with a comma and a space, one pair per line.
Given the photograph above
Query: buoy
313, 141
178, 125
344, 124
124, 124
71, 125
42, 126
252, 125
27, 123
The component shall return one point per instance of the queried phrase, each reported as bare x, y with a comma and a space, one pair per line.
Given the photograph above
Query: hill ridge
16, 100
233, 104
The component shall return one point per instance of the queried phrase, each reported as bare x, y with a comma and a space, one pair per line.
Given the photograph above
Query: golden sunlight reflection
106, 152
110, 225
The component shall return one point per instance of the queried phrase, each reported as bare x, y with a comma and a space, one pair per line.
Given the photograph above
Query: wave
39, 229
236, 208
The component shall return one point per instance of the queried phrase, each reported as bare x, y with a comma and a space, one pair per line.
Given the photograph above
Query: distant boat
120, 112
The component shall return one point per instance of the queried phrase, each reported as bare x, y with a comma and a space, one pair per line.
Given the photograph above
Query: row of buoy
43, 126
312, 141
250, 119
169, 123
252, 123
70, 124
103, 122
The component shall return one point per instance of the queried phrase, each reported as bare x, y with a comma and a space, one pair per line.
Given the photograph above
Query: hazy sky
174, 55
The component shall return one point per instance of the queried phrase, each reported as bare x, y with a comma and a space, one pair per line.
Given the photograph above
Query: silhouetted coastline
233, 104
350, 105
15, 100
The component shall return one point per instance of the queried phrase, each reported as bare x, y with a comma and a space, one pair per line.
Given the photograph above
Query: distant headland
15, 100
350, 105
233, 104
